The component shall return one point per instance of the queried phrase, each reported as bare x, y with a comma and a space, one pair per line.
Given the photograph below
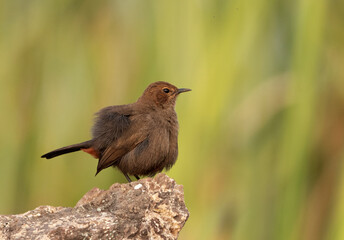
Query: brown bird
140, 139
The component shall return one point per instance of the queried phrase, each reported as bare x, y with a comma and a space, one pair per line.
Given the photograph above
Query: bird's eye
166, 90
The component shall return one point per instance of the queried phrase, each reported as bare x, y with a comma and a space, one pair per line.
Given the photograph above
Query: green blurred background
261, 134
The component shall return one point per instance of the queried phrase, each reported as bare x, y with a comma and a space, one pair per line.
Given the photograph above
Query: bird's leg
127, 177
137, 177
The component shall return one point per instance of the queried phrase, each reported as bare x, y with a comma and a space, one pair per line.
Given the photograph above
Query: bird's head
161, 94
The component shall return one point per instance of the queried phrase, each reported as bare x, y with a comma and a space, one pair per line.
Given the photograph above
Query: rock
151, 208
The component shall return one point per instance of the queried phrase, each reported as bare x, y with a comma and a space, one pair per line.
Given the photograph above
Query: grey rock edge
151, 208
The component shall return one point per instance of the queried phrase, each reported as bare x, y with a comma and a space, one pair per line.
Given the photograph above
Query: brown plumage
140, 139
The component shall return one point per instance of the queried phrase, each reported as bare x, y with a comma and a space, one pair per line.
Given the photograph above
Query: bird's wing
117, 131
111, 122
118, 149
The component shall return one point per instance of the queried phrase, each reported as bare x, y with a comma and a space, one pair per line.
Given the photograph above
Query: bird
140, 139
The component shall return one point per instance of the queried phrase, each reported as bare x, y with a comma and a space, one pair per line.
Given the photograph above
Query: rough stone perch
145, 209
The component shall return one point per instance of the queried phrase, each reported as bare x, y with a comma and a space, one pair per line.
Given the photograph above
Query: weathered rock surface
145, 209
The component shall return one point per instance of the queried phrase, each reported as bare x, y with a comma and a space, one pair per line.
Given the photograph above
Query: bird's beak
181, 90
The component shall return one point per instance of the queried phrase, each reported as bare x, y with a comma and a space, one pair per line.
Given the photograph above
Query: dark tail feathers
67, 149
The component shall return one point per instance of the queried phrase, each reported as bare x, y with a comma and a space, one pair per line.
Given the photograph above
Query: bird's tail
67, 149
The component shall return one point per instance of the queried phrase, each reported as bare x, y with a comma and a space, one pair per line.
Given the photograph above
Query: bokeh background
261, 134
